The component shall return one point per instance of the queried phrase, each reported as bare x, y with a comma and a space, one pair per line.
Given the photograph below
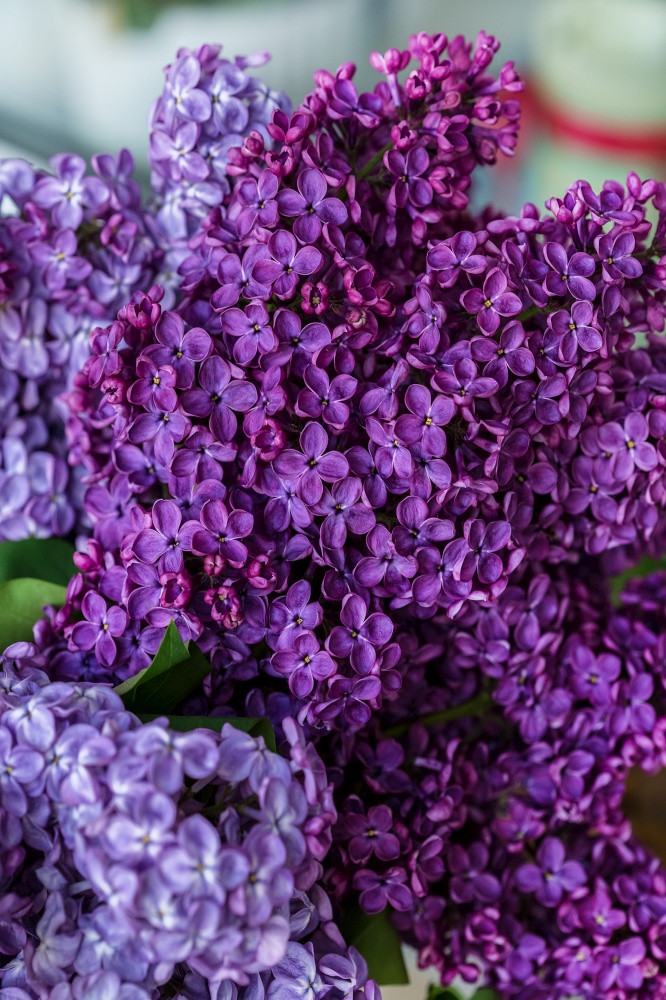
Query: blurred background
81, 74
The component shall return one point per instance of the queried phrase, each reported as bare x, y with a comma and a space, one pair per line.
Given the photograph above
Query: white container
599, 74
29, 60
420, 980
111, 75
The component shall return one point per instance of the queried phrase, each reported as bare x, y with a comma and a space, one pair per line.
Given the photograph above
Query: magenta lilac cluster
138, 861
398, 472
504, 846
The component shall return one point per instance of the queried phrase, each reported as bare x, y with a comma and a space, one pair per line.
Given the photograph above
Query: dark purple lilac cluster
541, 345
141, 863
267, 420
483, 808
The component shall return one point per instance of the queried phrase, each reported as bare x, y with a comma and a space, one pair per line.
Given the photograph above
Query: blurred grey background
81, 74
86, 70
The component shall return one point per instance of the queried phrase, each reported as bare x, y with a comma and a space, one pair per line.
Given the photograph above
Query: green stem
371, 164
468, 708
535, 311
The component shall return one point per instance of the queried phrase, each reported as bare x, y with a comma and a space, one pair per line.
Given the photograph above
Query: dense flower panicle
73, 249
412, 457
244, 384
505, 846
378, 458
137, 861
208, 106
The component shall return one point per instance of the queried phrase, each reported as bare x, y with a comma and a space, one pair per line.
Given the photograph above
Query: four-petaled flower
312, 464
168, 538
493, 303
101, 627
551, 875
372, 834
360, 635
568, 273
310, 206
220, 397
220, 531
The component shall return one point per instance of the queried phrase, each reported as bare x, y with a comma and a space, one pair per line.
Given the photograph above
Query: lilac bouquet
360, 470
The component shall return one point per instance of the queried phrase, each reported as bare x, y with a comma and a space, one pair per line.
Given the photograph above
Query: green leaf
38, 559
175, 672
261, 727
22, 603
377, 940
643, 568
442, 993
185, 723
172, 651
448, 993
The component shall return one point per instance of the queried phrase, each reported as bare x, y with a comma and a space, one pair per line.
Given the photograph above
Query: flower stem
469, 708
371, 164
531, 311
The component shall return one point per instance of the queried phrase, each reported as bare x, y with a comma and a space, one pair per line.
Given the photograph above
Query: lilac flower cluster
416, 492
73, 247
377, 457
267, 420
483, 807
139, 863
570, 438
208, 105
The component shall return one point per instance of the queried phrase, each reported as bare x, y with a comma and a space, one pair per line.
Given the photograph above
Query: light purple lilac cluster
208, 106
483, 808
141, 863
74, 246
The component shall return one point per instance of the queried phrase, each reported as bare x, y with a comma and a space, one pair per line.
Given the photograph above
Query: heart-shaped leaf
22, 603
378, 941
38, 559
175, 672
